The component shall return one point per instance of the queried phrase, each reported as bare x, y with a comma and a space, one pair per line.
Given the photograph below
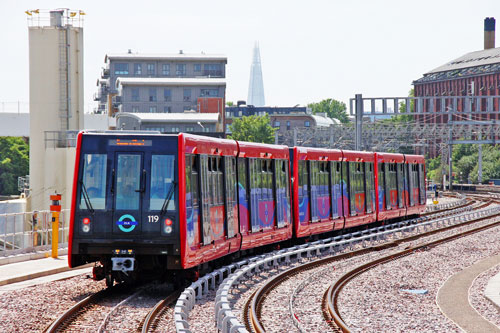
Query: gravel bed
380, 290
130, 315
478, 300
33, 308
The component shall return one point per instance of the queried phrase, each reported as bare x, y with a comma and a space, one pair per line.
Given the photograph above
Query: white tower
56, 102
256, 86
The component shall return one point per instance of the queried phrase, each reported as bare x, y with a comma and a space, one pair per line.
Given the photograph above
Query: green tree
229, 103
14, 162
332, 108
252, 129
403, 117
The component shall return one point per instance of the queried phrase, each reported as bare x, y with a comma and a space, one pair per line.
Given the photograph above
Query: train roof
414, 159
390, 158
262, 150
358, 156
309, 153
198, 144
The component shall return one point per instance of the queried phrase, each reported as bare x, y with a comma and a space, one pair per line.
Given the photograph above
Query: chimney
489, 33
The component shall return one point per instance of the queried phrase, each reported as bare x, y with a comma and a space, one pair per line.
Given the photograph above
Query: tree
332, 108
14, 162
229, 103
403, 117
252, 129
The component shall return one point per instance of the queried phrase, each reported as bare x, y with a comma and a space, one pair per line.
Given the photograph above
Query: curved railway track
253, 307
331, 309
151, 320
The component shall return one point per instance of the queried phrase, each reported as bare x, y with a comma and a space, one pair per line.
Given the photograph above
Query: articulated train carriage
154, 203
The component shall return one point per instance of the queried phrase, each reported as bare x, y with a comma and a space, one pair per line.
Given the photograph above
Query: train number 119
153, 218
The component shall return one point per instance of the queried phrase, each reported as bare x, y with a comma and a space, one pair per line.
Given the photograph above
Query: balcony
105, 73
212, 73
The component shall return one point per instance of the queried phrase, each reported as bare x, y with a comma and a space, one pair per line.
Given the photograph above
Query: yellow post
55, 209
55, 233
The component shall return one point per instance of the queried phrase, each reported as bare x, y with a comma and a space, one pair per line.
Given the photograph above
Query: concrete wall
45, 107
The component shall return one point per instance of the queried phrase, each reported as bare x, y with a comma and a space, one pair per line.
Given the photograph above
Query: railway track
254, 306
69, 320
331, 308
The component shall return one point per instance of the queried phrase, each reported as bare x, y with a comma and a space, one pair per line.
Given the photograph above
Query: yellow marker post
55, 210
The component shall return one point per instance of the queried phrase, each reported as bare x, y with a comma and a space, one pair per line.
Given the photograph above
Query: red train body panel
198, 199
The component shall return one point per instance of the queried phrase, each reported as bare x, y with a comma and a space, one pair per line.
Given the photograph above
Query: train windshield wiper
167, 198
86, 197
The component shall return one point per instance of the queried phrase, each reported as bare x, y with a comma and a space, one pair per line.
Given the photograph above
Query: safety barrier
30, 231
227, 322
462, 200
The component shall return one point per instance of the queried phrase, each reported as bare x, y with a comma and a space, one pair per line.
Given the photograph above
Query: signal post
55, 210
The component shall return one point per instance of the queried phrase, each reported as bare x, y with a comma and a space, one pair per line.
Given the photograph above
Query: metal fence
31, 231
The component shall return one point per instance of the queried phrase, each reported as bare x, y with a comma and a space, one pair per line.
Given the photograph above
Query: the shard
256, 86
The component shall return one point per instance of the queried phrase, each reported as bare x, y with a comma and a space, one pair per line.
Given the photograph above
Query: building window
175, 129
307, 123
180, 70
197, 68
206, 129
151, 69
137, 69
276, 124
189, 129
152, 109
167, 109
209, 92
152, 94
213, 70
135, 109
121, 69
288, 125
187, 95
135, 94
167, 95
165, 69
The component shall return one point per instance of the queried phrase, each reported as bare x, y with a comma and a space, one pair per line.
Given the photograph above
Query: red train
154, 202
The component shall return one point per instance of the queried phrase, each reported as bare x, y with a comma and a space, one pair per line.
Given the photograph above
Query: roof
172, 117
473, 63
165, 56
324, 121
170, 81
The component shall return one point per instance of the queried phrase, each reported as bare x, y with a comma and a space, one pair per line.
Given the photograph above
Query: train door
128, 189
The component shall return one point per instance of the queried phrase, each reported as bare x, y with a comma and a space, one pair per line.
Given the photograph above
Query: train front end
124, 209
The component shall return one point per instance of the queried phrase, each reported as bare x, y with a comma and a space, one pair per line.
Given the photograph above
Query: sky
310, 50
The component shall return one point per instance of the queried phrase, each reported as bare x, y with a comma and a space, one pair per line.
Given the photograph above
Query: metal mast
256, 86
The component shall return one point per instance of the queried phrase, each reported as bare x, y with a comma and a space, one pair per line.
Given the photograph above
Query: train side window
346, 196
421, 178
336, 189
230, 195
255, 181
381, 186
370, 187
315, 185
400, 183
205, 199
94, 181
303, 190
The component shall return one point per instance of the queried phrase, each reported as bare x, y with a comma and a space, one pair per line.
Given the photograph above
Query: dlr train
152, 202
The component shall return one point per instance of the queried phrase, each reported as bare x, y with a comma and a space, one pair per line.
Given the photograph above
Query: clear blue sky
310, 50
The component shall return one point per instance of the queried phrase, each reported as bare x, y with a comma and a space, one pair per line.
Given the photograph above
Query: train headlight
86, 228
168, 230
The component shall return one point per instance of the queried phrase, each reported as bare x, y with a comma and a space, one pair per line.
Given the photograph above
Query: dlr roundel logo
127, 223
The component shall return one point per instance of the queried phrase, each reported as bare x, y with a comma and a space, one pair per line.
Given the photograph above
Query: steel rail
334, 290
157, 309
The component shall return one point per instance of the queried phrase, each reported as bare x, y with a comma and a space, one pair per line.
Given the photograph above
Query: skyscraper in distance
256, 86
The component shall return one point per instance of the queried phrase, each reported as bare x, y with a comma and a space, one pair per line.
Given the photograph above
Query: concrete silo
56, 102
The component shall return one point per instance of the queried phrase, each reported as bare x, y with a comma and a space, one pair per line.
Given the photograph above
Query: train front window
162, 182
128, 179
94, 181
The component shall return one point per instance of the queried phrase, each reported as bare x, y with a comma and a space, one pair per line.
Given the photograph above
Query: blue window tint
121, 69
128, 179
152, 94
151, 69
180, 69
94, 181
165, 69
137, 69
162, 178
135, 94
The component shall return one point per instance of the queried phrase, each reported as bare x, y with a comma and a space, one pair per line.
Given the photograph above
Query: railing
60, 139
30, 232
